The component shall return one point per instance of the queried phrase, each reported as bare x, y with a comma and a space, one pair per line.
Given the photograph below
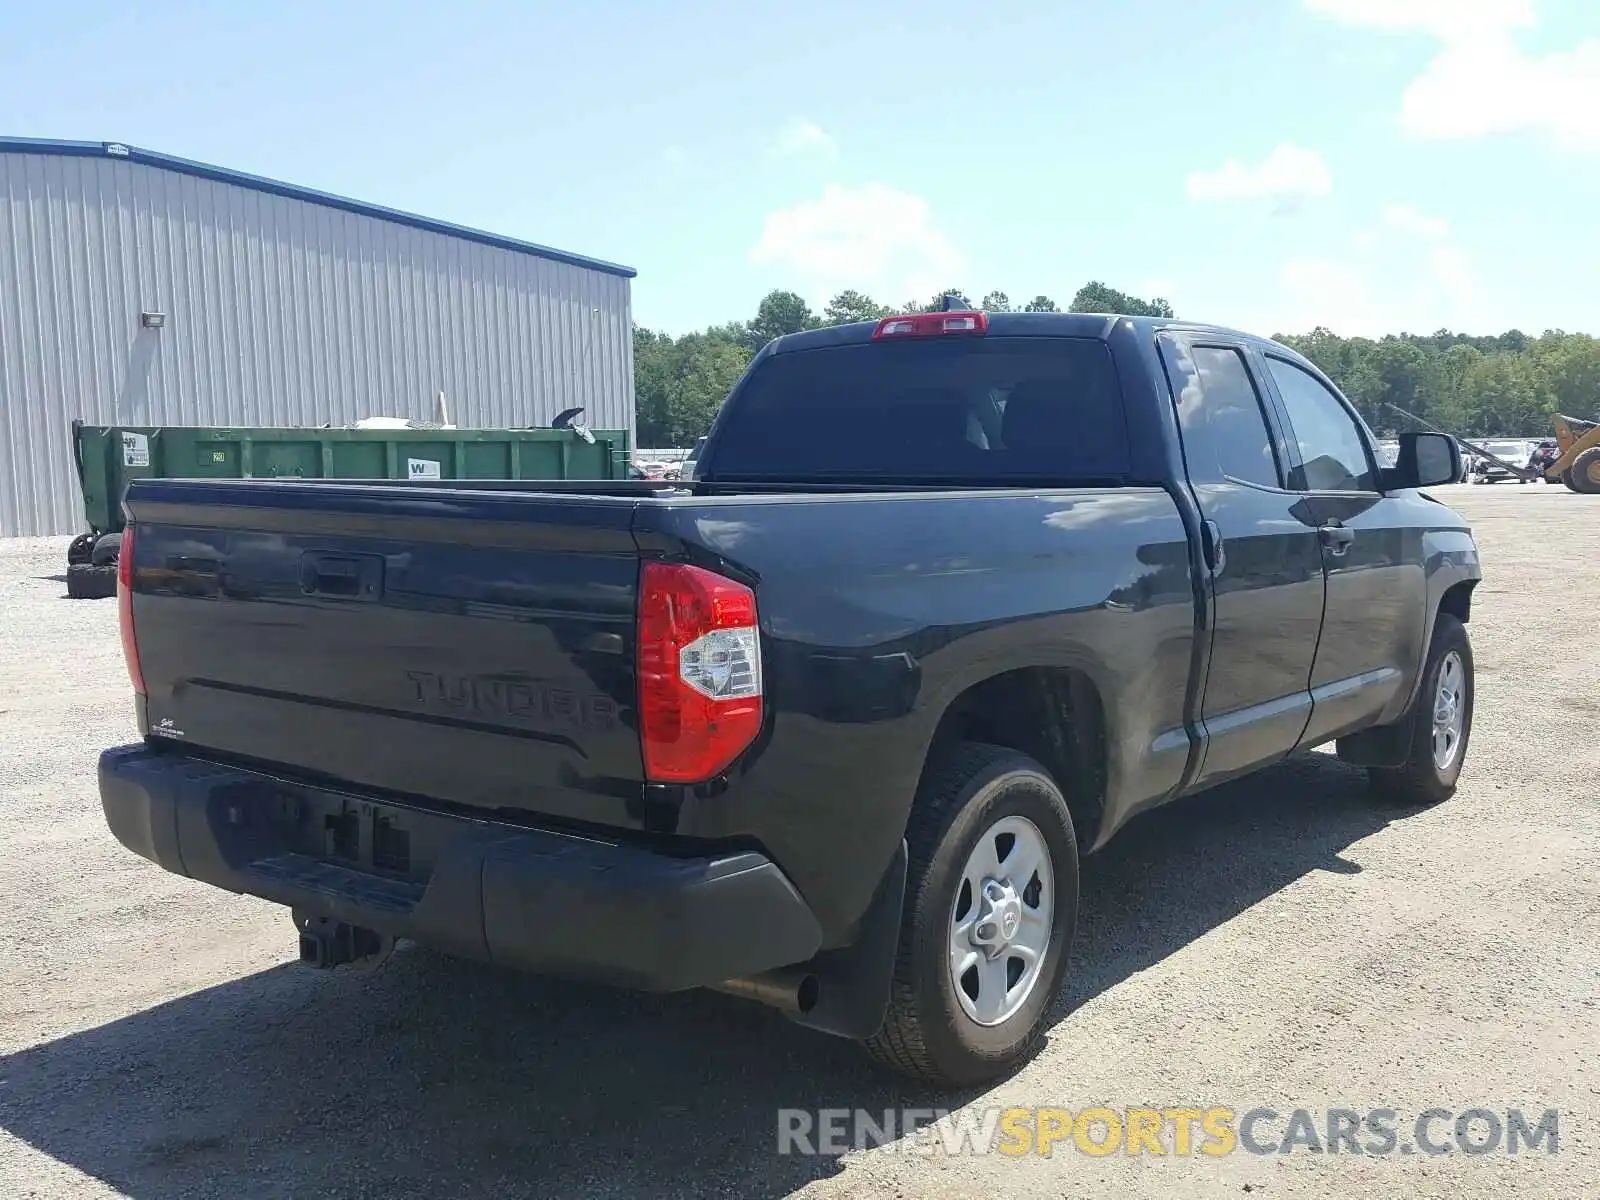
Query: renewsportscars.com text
1179, 1131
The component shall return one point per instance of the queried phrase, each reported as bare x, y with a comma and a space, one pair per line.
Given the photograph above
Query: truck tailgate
473, 648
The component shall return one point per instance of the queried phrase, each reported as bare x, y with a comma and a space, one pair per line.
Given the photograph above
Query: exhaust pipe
790, 990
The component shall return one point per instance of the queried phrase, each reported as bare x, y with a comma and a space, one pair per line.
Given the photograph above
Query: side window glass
1225, 432
1333, 456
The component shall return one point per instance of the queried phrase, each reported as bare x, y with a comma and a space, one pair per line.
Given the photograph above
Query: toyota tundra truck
951, 597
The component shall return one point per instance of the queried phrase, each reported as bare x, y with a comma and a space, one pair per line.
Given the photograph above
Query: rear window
961, 410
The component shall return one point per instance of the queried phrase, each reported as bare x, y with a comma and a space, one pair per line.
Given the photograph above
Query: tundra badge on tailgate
516, 698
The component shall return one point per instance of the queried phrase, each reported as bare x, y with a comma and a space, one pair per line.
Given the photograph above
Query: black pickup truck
951, 597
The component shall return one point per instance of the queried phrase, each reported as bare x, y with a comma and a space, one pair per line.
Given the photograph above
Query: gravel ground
1282, 942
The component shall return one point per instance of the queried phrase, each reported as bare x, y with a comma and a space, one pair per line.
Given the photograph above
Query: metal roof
167, 162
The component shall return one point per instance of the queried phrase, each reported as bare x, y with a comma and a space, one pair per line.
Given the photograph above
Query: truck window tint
1333, 455
1223, 420
959, 409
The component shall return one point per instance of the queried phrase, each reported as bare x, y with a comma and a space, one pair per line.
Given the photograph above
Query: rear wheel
1441, 723
1586, 472
991, 904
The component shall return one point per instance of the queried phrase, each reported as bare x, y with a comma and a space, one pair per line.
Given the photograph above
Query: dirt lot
1281, 943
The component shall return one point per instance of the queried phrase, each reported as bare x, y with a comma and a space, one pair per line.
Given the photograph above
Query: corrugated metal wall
279, 311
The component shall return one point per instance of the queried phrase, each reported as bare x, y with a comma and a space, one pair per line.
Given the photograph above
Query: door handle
1211, 543
1336, 538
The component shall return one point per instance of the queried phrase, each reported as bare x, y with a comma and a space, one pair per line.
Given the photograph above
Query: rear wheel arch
1457, 600
1053, 715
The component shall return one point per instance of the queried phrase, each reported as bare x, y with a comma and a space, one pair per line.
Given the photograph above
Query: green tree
1096, 297
1040, 304
655, 373
850, 306
996, 302
1455, 365
1502, 398
1405, 376
1568, 366
779, 313
709, 366
680, 383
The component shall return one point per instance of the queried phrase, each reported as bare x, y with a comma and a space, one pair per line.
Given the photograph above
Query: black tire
88, 582
1586, 472
1420, 780
965, 790
107, 548
81, 549
1566, 478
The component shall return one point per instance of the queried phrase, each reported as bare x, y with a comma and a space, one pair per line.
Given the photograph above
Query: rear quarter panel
878, 611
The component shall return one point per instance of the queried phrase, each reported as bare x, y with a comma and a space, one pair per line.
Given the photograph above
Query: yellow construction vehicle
1578, 465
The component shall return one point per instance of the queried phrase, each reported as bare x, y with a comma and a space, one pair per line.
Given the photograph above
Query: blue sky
1370, 165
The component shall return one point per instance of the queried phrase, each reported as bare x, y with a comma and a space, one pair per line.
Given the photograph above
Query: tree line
1504, 386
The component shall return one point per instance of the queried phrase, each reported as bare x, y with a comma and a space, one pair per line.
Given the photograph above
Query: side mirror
1425, 460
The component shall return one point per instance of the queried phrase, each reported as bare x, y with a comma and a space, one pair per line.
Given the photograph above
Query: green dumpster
109, 456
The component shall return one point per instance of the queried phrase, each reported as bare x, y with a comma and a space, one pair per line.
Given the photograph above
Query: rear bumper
532, 899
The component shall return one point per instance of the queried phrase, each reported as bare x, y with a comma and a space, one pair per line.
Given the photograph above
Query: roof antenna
955, 302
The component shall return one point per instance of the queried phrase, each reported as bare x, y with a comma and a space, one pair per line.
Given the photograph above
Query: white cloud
1288, 176
1480, 81
1371, 295
1486, 86
1405, 274
875, 238
805, 137
1408, 219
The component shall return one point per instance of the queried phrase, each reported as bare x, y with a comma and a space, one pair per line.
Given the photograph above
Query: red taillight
934, 324
699, 672
130, 645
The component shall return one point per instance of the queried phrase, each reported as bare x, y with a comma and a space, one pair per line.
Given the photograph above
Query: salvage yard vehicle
1486, 470
1578, 464
952, 597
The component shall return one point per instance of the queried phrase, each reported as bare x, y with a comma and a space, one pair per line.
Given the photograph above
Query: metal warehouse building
136, 288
